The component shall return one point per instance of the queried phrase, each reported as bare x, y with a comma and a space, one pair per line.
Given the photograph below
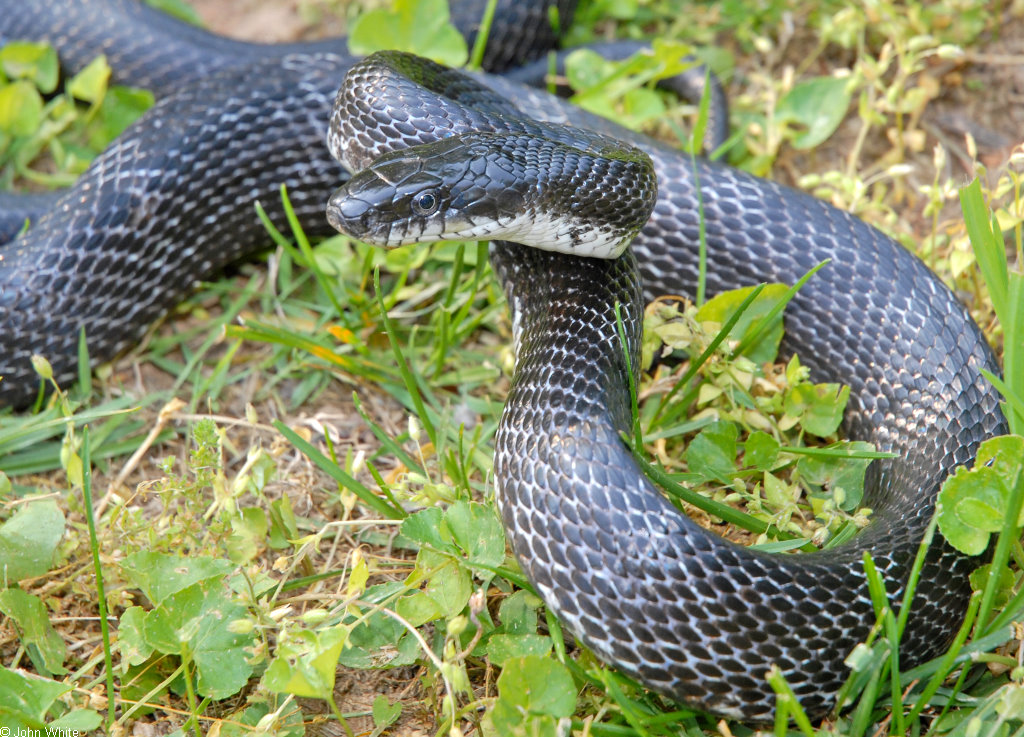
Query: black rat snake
694, 617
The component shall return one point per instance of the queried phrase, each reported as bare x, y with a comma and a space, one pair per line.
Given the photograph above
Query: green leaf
384, 712
379, 642
974, 502
21, 109
283, 526
131, 637
518, 613
121, 107
240, 724
147, 680
254, 584
712, 453
417, 608
1012, 320
26, 699
981, 510
78, 721
612, 89
306, 662
34, 62
965, 534
819, 407
449, 585
417, 26
1005, 456
723, 306
424, 528
198, 621
45, 646
502, 648
477, 530
642, 106
761, 451
586, 69
1005, 588
818, 106
842, 477
618, 9
90, 84
160, 575
621, 90
987, 241
249, 529
179, 9
29, 539
505, 719
778, 493
1011, 703
536, 685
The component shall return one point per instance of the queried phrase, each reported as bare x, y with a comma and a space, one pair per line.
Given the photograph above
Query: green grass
322, 493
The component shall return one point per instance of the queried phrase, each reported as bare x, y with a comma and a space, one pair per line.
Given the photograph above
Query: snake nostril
346, 213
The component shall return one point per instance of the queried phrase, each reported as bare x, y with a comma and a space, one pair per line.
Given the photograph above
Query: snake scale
688, 614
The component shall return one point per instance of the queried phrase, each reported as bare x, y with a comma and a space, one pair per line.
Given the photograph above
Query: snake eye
425, 203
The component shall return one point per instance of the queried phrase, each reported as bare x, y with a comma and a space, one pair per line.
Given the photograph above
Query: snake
688, 614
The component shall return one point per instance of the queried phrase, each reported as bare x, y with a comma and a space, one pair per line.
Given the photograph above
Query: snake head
448, 189
486, 185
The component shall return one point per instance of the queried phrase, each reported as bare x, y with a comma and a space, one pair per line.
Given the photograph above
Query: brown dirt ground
271, 20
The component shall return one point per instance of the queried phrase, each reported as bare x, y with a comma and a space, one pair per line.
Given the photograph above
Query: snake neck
592, 302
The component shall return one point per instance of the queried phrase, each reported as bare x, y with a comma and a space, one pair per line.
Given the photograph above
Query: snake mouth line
521, 187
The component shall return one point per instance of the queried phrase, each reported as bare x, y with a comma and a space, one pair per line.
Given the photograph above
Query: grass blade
988, 245
411, 384
480, 44
755, 332
101, 594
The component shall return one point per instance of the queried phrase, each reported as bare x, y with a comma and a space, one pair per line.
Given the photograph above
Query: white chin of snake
537, 231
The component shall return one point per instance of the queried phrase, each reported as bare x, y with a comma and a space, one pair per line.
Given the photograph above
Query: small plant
69, 135
746, 439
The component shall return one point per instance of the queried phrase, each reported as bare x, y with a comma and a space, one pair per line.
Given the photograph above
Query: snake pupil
426, 203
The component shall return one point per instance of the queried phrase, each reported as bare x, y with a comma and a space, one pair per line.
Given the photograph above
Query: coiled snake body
688, 614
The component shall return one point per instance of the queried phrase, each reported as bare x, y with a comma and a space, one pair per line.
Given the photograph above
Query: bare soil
271, 20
